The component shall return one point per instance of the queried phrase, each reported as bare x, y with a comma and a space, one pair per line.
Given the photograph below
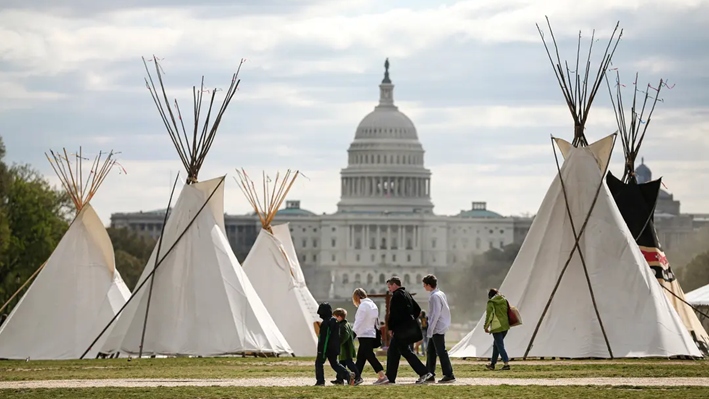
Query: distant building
384, 223
672, 226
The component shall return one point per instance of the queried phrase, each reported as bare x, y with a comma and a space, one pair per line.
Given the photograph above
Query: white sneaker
381, 381
423, 379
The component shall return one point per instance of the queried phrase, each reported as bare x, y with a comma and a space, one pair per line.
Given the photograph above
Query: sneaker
505, 367
381, 381
352, 378
432, 378
359, 381
490, 366
446, 380
423, 379
337, 382
319, 384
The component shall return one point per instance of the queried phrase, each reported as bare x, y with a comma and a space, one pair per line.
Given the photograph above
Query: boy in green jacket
497, 323
347, 347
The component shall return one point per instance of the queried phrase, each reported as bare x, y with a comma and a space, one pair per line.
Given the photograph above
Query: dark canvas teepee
636, 201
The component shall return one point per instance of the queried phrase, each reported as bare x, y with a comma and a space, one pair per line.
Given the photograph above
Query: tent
699, 297
78, 289
273, 268
606, 304
196, 300
636, 201
579, 281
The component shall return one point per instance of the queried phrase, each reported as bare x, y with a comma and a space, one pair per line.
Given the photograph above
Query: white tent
273, 268
637, 319
77, 291
195, 298
202, 302
275, 273
282, 233
698, 297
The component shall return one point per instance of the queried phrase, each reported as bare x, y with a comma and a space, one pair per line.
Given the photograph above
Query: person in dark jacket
404, 331
329, 347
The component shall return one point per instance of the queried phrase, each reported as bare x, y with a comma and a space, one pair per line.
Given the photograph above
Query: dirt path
301, 381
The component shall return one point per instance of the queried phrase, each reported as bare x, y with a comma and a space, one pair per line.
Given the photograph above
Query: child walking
329, 347
347, 348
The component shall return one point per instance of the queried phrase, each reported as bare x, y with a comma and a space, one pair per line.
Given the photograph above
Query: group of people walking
337, 335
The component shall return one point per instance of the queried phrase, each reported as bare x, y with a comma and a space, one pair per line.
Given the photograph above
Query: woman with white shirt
365, 327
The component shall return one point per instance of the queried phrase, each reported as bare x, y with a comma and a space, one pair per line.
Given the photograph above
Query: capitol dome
385, 170
385, 123
642, 173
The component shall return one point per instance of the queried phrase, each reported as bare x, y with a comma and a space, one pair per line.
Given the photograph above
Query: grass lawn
215, 368
364, 392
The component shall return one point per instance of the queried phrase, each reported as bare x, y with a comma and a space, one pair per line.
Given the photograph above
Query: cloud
472, 75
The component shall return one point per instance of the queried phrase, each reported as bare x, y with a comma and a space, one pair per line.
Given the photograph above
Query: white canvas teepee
78, 290
637, 319
699, 297
196, 298
273, 268
579, 280
202, 302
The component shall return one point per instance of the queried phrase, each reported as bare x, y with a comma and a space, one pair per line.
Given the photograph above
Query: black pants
365, 353
350, 365
396, 351
342, 373
437, 347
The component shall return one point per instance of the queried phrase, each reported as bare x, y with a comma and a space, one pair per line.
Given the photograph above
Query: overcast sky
472, 75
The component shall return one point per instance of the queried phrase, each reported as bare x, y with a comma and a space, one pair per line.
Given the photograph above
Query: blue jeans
498, 347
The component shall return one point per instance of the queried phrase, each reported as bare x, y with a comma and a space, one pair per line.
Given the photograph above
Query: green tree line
33, 219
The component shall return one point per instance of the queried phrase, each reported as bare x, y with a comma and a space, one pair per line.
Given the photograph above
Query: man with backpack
404, 331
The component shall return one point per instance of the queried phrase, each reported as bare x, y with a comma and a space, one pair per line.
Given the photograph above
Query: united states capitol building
384, 222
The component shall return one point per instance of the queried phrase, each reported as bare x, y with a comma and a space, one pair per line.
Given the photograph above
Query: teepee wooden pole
248, 193
576, 93
36, 272
266, 207
631, 135
60, 173
578, 238
568, 260
80, 171
157, 256
71, 181
152, 272
273, 198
